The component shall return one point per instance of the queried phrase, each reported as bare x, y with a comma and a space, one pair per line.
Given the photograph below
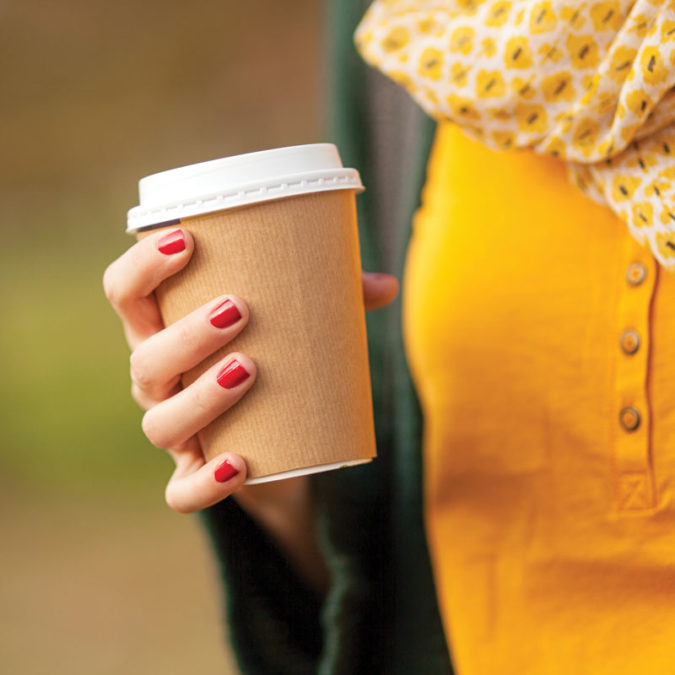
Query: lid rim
247, 178
143, 216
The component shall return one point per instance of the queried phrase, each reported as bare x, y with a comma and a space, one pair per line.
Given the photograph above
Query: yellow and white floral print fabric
589, 82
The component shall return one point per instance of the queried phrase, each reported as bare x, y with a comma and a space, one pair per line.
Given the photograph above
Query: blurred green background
97, 574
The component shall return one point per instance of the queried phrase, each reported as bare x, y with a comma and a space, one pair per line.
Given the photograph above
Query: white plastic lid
238, 180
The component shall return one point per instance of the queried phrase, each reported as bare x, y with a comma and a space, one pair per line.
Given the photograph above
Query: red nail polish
224, 472
172, 243
232, 375
224, 315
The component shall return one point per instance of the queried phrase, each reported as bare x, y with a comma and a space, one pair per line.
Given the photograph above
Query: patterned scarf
589, 82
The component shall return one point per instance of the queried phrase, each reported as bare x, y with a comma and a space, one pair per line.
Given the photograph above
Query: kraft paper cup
277, 228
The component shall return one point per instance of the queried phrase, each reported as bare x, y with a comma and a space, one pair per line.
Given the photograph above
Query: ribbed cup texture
296, 263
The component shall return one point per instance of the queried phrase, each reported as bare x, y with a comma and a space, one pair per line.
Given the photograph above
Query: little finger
197, 484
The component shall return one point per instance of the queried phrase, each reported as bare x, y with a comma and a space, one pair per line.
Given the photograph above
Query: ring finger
157, 363
173, 421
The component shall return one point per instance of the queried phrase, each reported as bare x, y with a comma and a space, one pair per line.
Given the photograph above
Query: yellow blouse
542, 341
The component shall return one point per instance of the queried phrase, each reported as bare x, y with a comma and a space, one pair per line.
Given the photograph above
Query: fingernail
232, 375
172, 243
224, 315
224, 472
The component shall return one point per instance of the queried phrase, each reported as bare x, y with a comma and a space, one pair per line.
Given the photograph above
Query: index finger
131, 279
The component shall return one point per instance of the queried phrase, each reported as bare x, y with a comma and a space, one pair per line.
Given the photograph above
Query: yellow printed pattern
590, 82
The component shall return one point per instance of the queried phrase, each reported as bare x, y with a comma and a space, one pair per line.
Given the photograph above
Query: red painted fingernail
232, 375
224, 472
224, 315
172, 243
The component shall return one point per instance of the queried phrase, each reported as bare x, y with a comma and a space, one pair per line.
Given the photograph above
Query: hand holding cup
160, 355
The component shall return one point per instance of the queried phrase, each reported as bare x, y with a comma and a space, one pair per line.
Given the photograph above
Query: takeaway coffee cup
278, 229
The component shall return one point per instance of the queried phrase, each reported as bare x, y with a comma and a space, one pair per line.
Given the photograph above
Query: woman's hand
160, 355
174, 415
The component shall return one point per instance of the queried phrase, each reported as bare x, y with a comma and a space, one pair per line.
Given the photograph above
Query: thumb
378, 289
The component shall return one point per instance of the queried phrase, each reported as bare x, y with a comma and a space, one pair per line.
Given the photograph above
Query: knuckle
202, 401
140, 374
110, 287
140, 397
184, 335
153, 430
136, 394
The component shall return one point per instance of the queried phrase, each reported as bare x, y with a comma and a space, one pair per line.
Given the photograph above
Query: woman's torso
550, 521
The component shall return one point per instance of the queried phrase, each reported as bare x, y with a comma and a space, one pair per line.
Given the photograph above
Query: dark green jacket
380, 615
